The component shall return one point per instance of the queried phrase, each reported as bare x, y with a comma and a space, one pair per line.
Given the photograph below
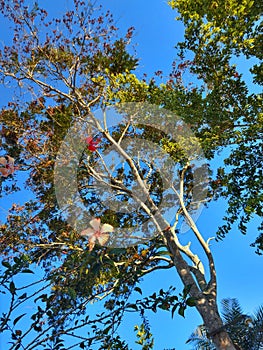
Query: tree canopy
112, 171
217, 34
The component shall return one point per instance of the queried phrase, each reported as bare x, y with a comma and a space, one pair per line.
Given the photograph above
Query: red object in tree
92, 145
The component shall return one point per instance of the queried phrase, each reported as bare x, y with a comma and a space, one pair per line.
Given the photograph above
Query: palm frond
199, 339
231, 310
244, 330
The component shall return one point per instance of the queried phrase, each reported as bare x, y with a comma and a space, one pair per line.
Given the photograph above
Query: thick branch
191, 223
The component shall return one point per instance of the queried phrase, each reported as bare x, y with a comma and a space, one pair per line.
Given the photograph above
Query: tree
216, 35
71, 67
245, 330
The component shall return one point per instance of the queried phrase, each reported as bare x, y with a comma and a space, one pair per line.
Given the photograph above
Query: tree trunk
205, 297
208, 310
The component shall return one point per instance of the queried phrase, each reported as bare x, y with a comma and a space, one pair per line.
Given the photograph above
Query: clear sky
239, 268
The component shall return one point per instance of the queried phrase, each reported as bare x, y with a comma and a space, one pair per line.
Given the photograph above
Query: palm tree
246, 331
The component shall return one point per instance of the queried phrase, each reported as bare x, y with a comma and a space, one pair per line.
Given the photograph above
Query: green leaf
153, 296
18, 318
163, 252
117, 251
174, 309
27, 271
133, 306
12, 287
137, 289
164, 306
6, 264
72, 293
42, 297
181, 310
107, 329
191, 302
23, 296
186, 290
17, 260
49, 313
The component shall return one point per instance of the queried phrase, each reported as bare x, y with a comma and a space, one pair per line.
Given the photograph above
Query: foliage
145, 338
217, 34
68, 68
67, 72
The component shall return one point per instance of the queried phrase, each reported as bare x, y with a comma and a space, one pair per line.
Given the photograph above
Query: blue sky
239, 268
